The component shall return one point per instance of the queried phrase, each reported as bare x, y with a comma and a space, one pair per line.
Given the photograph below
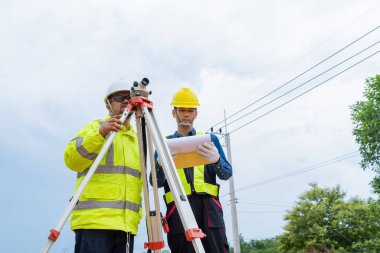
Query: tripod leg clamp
193, 233
53, 236
154, 245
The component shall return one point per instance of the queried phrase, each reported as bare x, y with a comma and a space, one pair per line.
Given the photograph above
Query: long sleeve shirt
222, 168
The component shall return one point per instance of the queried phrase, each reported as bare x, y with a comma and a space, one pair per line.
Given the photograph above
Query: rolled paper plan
185, 150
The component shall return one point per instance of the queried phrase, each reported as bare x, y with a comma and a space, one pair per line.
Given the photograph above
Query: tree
322, 221
258, 246
366, 119
359, 224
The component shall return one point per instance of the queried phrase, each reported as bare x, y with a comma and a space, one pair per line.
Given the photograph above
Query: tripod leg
155, 241
143, 175
193, 233
157, 217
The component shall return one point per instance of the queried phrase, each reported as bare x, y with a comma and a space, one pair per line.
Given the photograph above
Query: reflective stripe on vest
108, 204
109, 168
82, 151
200, 186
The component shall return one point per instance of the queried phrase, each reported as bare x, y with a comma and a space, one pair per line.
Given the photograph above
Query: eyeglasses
119, 99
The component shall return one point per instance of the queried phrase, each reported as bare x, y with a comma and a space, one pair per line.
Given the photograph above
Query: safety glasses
119, 99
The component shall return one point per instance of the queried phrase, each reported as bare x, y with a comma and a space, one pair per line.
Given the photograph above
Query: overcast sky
58, 57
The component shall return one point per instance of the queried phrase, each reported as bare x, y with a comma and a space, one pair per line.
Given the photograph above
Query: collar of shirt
178, 135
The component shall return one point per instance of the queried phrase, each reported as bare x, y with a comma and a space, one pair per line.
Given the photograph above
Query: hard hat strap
180, 122
112, 113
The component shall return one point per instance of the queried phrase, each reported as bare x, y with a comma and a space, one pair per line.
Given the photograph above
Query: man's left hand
209, 152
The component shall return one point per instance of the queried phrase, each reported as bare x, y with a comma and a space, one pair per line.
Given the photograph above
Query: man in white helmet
107, 215
200, 183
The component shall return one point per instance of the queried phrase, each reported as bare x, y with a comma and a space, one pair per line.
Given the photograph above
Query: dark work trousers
209, 216
102, 241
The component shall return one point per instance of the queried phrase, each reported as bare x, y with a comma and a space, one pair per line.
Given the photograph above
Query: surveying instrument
148, 134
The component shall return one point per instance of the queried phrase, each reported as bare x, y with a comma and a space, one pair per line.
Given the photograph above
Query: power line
260, 204
296, 172
303, 93
256, 109
262, 212
283, 85
308, 211
306, 169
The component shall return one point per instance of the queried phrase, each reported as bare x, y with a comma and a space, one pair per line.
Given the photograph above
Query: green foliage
322, 219
258, 246
366, 119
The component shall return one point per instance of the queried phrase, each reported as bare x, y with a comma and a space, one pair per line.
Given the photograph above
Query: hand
112, 124
209, 152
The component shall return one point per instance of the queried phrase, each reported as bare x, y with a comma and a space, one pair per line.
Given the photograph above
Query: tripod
148, 133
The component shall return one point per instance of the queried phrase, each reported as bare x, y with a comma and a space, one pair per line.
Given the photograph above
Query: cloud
58, 58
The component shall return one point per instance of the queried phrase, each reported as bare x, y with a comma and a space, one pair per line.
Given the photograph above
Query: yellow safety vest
200, 186
112, 198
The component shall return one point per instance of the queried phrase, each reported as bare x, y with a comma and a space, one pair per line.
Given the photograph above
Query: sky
58, 57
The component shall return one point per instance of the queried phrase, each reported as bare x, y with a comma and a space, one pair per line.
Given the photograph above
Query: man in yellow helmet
199, 183
107, 215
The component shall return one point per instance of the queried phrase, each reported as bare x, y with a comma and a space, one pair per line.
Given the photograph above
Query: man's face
119, 101
185, 116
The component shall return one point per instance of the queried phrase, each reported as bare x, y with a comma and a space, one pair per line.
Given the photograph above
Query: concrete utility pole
235, 228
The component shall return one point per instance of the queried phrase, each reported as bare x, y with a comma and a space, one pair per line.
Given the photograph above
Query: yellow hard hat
185, 98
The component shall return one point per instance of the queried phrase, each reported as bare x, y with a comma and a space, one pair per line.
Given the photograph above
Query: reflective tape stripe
83, 205
207, 188
169, 195
110, 157
109, 169
82, 151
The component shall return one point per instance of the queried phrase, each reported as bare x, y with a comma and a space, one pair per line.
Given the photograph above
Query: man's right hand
112, 124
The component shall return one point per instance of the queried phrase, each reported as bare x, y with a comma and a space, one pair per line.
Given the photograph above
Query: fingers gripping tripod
147, 131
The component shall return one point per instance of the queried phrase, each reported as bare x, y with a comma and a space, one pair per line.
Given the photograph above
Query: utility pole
235, 228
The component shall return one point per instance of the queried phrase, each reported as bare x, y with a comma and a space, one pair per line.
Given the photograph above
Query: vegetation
322, 221
366, 119
258, 246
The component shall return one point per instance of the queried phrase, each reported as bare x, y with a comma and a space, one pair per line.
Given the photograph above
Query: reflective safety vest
112, 198
200, 186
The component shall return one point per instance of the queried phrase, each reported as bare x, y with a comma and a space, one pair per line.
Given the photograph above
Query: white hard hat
120, 85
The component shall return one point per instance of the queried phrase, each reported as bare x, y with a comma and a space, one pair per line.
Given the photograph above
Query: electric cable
271, 101
290, 174
303, 93
259, 204
283, 85
296, 172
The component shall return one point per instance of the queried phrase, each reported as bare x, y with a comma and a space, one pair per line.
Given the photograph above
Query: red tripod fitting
193, 233
140, 102
53, 235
